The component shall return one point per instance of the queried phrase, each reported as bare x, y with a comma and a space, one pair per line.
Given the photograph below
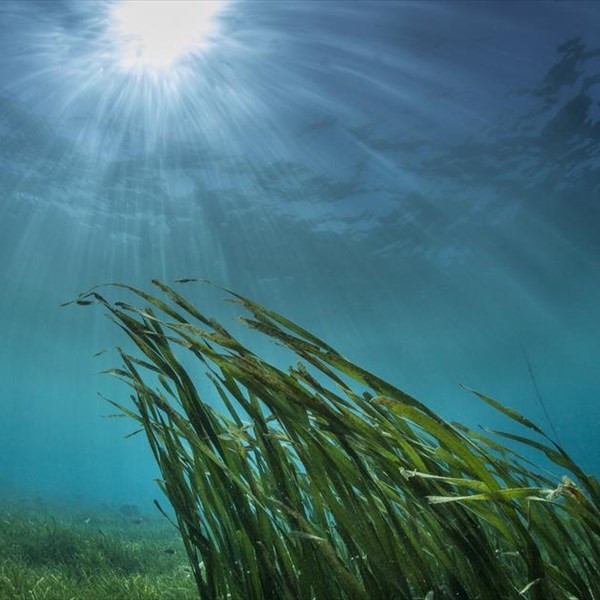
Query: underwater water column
415, 182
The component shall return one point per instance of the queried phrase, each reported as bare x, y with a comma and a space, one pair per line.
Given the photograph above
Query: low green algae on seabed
326, 482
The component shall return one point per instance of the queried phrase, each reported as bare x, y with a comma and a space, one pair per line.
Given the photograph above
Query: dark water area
416, 182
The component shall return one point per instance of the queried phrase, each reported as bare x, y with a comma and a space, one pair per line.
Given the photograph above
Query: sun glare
156, 34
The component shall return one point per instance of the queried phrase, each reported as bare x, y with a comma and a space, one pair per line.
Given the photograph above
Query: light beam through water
155, 34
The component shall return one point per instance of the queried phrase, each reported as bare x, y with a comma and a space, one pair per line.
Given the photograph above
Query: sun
157, 34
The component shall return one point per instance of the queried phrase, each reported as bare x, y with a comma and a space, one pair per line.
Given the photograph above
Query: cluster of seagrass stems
325, 482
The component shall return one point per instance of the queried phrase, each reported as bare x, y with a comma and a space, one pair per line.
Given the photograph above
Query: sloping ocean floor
110, 552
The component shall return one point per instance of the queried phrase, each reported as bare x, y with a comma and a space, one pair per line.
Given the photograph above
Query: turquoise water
417, 182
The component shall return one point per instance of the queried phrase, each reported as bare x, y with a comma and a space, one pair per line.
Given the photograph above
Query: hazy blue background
417, 182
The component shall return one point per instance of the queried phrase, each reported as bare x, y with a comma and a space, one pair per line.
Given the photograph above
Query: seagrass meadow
51, 553
326, 482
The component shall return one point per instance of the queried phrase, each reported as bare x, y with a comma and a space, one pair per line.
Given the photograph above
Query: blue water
417, 182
